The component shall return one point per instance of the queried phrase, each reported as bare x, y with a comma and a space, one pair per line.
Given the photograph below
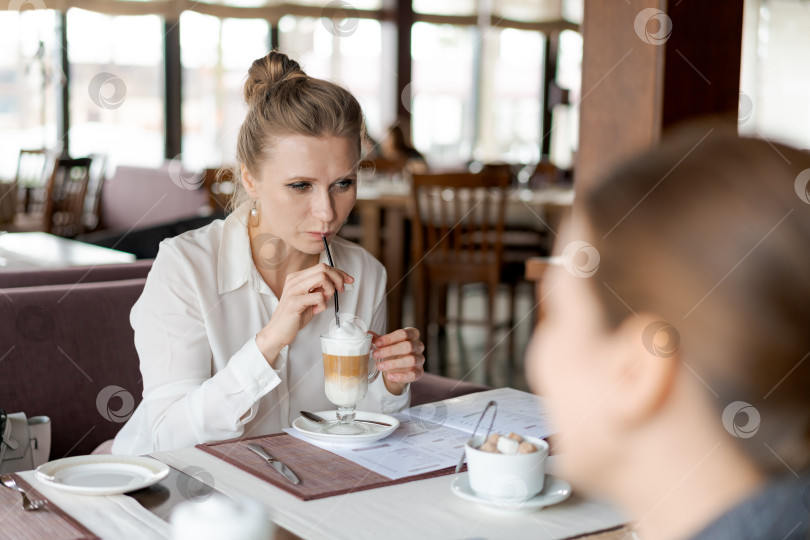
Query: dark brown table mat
322, 473
50, 522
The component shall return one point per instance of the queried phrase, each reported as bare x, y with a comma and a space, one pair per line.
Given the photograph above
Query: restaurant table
338, 498
39, 249
383, 208
425, 509
419, 509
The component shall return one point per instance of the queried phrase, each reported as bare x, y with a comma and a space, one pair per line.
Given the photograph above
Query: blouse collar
235, 265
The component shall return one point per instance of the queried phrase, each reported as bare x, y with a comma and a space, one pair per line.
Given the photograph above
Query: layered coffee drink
346, 368
345, 378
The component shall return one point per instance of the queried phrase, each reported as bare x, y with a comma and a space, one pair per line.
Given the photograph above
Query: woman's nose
324, 209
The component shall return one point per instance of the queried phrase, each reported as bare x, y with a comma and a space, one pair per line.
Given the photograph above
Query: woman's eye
344, 184
299, 186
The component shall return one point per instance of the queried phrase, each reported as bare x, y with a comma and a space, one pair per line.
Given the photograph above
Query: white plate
554, 491
313, 430
102, 474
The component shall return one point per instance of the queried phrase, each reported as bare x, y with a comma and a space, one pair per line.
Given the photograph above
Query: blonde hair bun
268, 71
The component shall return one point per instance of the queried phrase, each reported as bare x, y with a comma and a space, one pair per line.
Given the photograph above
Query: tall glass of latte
347, 371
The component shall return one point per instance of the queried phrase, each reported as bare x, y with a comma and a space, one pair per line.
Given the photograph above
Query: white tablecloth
423, 509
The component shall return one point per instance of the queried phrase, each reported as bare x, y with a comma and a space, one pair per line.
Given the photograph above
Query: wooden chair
458, 239
91, 216
535, 269
35, 172
65, 201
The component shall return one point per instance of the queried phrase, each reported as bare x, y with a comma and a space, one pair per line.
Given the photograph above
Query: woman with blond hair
228, 326
674, 349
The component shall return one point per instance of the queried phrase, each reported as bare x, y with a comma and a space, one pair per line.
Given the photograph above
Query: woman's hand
399, 357
305, 295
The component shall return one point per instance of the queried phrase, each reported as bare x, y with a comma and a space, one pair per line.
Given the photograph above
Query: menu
432, 436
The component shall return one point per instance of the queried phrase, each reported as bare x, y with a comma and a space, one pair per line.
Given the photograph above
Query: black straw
332, 264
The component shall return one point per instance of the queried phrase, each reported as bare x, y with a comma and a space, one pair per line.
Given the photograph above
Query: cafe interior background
151, 90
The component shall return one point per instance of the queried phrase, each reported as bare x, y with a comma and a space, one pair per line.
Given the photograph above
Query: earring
254, 214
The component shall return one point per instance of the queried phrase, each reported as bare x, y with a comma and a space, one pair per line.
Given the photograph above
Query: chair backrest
64, 208
91, 216
36, 170
69, 354
137, 197
431, 388
459, 217
28, 277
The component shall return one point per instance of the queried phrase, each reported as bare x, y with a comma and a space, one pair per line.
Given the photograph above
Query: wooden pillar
63, 95
173, 88
648, 65
404, 21
551, 53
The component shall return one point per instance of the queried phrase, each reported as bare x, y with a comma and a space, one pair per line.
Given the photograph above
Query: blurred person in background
674, 348
395, 149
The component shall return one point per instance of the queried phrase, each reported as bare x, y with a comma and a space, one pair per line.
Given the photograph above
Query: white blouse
195, 324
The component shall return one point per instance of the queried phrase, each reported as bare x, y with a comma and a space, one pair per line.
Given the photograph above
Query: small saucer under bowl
555, 490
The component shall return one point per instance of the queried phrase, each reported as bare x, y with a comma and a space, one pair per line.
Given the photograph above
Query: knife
273, 462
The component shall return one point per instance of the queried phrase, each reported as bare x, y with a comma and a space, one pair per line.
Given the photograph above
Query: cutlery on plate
285, 471
28, 504
321, 420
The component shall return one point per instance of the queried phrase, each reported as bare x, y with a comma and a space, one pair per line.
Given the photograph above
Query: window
216, 54
510, 116
442, 91
29, 79
349, 52
565, 118
446, 7
775, 72
116, 87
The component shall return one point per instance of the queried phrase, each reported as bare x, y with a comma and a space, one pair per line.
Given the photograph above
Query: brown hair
283, 100
710, 232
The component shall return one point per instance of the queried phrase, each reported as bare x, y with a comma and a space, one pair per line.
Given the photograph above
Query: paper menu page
517, 412
414, 448
432, 436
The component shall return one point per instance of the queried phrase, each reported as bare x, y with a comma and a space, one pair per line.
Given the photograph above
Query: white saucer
554, 491
102, 474
313, 430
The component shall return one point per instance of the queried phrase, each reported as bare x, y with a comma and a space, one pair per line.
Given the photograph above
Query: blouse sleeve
183, 404
378, 397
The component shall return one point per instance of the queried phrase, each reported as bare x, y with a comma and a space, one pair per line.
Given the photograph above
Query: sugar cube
526, 448
507, 445
489, 447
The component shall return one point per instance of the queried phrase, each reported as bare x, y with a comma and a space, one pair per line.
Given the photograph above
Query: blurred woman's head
678, 325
